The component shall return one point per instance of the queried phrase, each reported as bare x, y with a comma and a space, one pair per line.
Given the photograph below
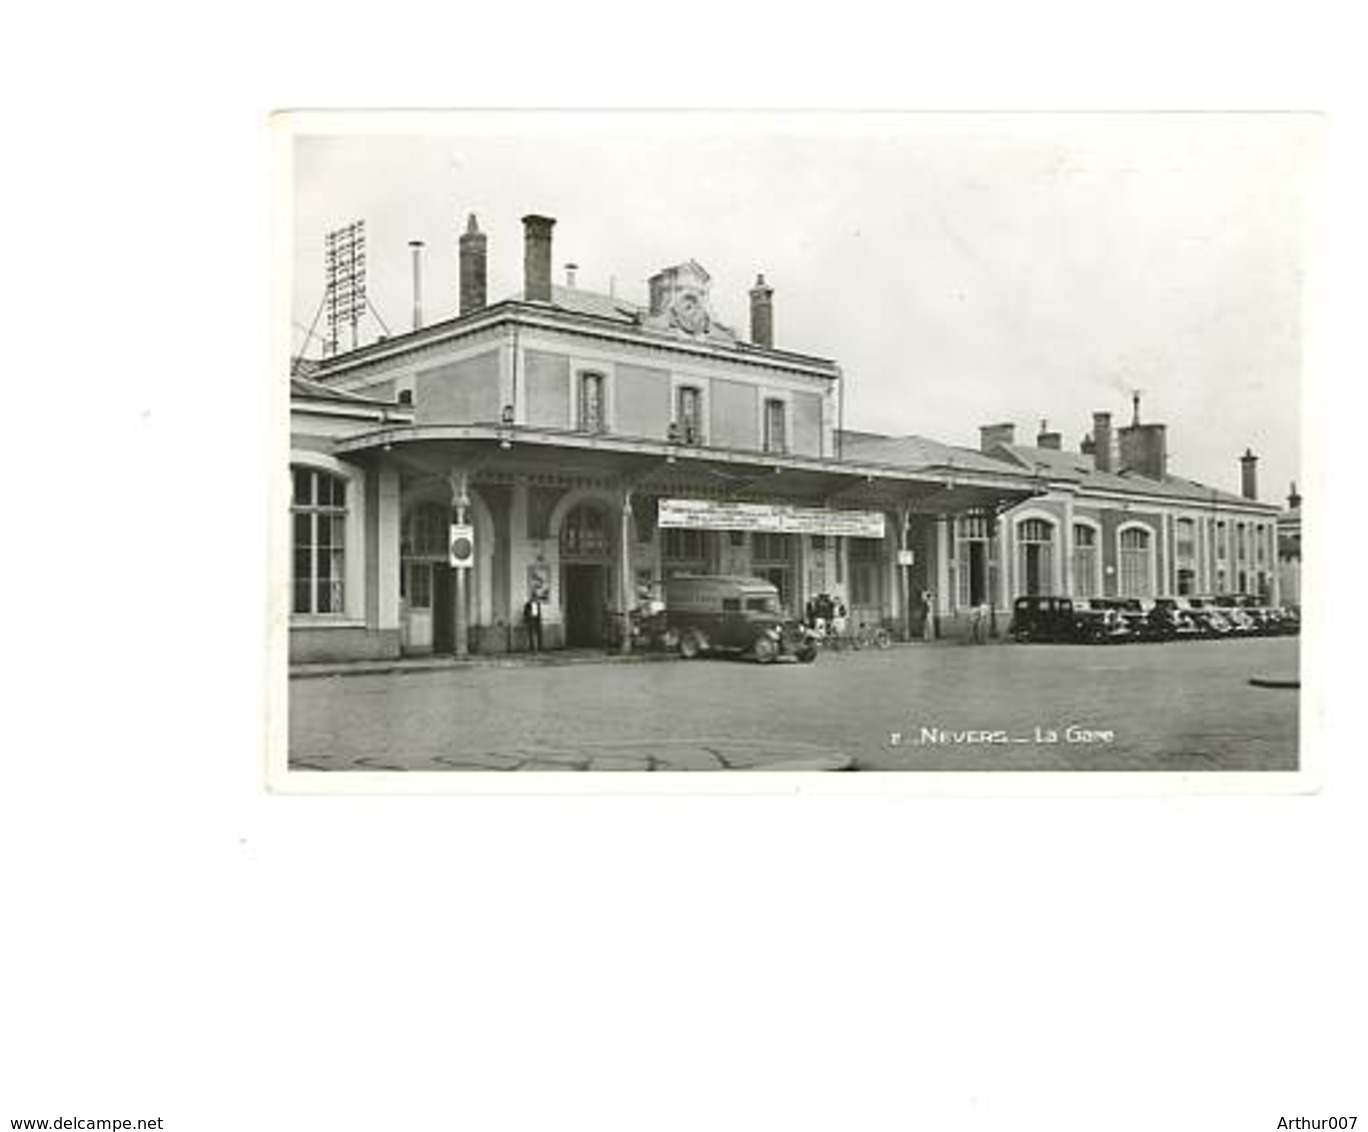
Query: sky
961, 269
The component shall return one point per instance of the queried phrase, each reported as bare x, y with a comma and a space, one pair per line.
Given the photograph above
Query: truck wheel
690, 644
807, 654
766, 650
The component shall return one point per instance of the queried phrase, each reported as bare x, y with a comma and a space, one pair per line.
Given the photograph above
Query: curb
386, 668
1275, 682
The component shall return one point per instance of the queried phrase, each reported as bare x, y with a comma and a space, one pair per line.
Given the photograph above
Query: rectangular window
865, 571
1186, 540
591, 415
689, 414
770, 547
1085, 561
1221, 540
319, 541
776, 437
682, 545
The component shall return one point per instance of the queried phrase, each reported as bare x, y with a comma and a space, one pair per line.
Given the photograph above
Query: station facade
594, 447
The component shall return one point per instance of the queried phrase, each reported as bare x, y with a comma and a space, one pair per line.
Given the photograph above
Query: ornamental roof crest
680, 304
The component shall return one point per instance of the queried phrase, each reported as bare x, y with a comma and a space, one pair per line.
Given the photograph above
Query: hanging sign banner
772, 518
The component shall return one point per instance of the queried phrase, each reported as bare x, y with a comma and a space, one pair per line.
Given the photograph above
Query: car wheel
807, 654
690, 644
765, 649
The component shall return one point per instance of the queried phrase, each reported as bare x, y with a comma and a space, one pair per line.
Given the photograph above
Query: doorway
443, 608
978, 572
586, 595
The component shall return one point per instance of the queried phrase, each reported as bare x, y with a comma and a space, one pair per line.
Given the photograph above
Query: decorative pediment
680, 304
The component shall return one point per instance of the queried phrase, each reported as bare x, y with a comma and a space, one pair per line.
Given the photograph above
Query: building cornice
551, 318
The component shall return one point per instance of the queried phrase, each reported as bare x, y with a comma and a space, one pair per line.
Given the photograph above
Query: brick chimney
1102, 442
1293, 498
1047, 439
991, 435
1249, 475
537, 258
473, 270
1144, 447
762, 313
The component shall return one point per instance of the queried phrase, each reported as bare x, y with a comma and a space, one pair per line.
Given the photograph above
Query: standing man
929, 617
532, 618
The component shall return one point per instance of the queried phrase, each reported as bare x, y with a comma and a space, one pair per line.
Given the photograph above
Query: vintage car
719, 613
1210, 618
1172, 618
1230, 609
1063, 619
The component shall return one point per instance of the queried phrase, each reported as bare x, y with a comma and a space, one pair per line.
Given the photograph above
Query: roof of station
1080, 467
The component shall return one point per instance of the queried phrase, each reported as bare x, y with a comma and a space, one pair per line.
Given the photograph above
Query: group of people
826, 614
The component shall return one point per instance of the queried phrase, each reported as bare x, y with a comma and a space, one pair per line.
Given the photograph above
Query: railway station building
585, 447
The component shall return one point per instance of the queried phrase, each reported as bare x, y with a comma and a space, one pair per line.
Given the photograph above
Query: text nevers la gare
949, 737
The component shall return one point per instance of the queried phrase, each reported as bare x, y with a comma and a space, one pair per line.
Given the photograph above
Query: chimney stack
991, 435
1249, 475
1293, 498
1047, 439
570, 269
1102, 442
537, 258
762, 313
1144, 447
473, 272
417, 246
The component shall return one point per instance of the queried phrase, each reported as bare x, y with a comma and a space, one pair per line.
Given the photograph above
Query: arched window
1035, 542
1135, 563
318, 511
1085, 560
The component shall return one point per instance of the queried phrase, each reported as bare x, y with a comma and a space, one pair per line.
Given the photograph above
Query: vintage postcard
867, 451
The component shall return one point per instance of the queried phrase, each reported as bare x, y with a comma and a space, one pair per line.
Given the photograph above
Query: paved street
1180, 706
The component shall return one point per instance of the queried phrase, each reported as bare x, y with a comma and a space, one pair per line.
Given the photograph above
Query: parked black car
1063, 619
1171, 619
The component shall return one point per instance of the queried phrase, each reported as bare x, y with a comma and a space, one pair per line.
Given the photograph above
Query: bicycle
871, 636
